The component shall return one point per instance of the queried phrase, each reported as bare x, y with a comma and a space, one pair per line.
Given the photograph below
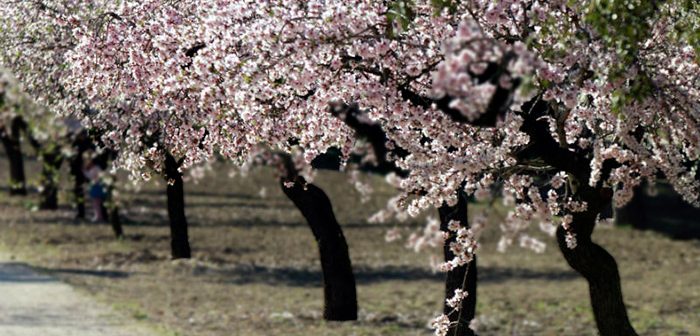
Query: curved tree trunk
463, 277
51, 160
11, 141
598, 267
338, 279
179, 240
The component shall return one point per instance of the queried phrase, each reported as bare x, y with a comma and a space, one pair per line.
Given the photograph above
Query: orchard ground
256, 270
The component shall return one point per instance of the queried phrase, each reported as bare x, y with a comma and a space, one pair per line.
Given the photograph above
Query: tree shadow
152, 219
111, 274
22, 273
19, 272
196, 193
495, 274
297, 277
157, 203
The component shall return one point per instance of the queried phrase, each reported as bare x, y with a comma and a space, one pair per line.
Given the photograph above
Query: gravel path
36, 304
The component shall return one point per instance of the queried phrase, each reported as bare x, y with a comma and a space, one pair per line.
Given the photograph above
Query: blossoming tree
584, 111
145, 58
561, 106
35, 37
12, 125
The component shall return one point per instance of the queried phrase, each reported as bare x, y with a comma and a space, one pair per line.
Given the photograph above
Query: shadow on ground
295, 277
21, 272
87, 272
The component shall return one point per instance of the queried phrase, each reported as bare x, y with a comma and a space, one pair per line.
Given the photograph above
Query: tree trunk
597, 266
51, 160
463, 277
179, 240
338, 279
116, 222
110, 211
79, 180
81, 144
11, 141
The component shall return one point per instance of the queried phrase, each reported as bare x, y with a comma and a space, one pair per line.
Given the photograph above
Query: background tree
11, 127
552, 104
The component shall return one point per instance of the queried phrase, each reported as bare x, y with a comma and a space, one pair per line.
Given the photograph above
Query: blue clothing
97, 191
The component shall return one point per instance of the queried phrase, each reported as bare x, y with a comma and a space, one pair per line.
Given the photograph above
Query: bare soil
256, 271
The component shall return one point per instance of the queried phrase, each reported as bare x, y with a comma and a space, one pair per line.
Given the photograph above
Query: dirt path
36, 304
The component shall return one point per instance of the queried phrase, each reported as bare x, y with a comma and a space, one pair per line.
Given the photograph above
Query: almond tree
12, 125
35, 37
562, 106
544, 98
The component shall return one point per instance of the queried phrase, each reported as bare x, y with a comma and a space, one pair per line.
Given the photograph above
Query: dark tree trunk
79, 180
338, 279
589, 259
598, 267
18, 184
179, 240
11, 141
51, 160
110, 210
116, 222
463, 277
81, 144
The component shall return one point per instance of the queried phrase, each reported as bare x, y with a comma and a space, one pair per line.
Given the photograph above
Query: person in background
97, 192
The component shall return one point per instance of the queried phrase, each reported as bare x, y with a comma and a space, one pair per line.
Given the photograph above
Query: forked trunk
463, 277
338, 279
179, 240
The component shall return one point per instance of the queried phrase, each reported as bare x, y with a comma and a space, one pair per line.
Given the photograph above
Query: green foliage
440, 5
401, 14
623, 25
399, 17
641, 86
685, 15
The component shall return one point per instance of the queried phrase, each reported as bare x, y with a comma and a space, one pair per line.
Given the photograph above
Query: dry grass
256, 269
